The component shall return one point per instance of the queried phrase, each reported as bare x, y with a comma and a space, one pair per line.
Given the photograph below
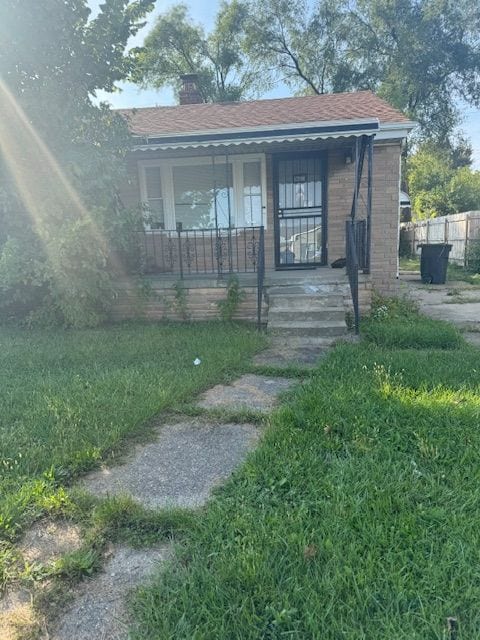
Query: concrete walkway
458, 302
180, 468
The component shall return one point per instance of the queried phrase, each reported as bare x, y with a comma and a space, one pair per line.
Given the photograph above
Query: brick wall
158, 301
385, 210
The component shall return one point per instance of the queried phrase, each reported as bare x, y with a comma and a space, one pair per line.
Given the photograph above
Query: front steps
309, 306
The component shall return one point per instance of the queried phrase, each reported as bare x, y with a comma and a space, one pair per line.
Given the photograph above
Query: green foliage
235, 295
473, 255
64, 232
176, 46
393, 307
124, 520
414, 334
77, 564
180, 301
437, 187
394, 323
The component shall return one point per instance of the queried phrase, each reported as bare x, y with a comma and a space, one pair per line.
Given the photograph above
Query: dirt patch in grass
48, 540
17, 615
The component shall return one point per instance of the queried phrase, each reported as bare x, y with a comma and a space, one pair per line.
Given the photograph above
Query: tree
176, 46
438, 186
306, 45
421, 55
61, 155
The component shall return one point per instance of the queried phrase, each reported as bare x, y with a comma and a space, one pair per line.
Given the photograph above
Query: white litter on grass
197, 361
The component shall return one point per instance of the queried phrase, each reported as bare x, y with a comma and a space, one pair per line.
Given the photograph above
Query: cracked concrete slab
99, 608
180, 468
250, 392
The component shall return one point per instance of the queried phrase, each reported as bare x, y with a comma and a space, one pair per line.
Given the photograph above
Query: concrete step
306, 314
307, 276
308, 290
323, 328
283, 341
295, 301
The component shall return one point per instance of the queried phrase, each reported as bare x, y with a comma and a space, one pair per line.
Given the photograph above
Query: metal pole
227, 182
369, 203
214, 192
355, 193
465, 254
180, 259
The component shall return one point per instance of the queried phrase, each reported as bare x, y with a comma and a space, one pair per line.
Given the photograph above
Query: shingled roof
191, 118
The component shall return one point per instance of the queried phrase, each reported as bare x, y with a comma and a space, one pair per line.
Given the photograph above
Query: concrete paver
180, 468
250, 392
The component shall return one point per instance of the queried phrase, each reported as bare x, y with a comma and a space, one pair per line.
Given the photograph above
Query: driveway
456, 301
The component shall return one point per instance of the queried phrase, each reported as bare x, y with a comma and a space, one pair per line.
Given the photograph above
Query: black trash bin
434, 262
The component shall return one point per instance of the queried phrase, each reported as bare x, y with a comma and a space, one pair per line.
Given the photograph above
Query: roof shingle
190, 118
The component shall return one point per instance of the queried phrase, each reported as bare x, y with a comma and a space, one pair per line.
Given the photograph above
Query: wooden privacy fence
461, 230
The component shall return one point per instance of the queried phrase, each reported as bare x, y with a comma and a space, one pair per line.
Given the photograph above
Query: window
252, 194
300, 183
154, 214
201, 194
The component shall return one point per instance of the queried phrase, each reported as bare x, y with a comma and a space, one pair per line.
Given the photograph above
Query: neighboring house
210, 176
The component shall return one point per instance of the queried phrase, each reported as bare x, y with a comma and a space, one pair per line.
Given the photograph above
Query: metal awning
224, 138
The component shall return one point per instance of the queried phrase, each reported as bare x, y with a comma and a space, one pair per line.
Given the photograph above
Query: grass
455, 272
71, 399
356, 518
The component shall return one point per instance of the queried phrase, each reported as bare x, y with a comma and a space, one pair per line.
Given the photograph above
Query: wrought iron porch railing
357, 258
201, 251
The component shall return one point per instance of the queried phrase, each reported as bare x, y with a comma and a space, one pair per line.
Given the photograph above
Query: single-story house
293, 175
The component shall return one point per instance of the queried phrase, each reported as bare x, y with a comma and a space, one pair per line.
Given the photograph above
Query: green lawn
69, 398
357, 518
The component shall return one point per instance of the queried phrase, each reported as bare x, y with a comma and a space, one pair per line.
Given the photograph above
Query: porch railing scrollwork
191, 252
185, 252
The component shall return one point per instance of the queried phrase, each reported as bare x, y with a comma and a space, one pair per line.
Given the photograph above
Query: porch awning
259, 135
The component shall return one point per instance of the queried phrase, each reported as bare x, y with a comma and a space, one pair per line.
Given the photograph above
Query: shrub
234, 297
473, 255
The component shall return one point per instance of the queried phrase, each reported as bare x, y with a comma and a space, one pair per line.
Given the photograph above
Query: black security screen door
300, 220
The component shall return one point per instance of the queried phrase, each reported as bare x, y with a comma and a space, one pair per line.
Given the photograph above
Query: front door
300, 220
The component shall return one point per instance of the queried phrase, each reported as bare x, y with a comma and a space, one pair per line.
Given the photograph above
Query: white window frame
167, 165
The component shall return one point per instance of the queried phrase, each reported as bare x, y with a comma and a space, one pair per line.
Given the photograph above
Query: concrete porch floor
321, 275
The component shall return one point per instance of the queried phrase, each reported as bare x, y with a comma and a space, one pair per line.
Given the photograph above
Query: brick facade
340, 180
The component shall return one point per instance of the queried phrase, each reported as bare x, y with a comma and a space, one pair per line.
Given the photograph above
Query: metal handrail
260, 276
352, 268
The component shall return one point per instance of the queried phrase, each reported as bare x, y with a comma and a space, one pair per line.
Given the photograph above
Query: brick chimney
189, 93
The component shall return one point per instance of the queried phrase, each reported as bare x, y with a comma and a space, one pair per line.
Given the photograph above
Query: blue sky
203, 11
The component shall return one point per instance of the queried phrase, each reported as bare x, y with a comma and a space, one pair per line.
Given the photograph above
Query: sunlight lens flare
41, 183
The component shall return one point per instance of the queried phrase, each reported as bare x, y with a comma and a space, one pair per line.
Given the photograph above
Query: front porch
303, 221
